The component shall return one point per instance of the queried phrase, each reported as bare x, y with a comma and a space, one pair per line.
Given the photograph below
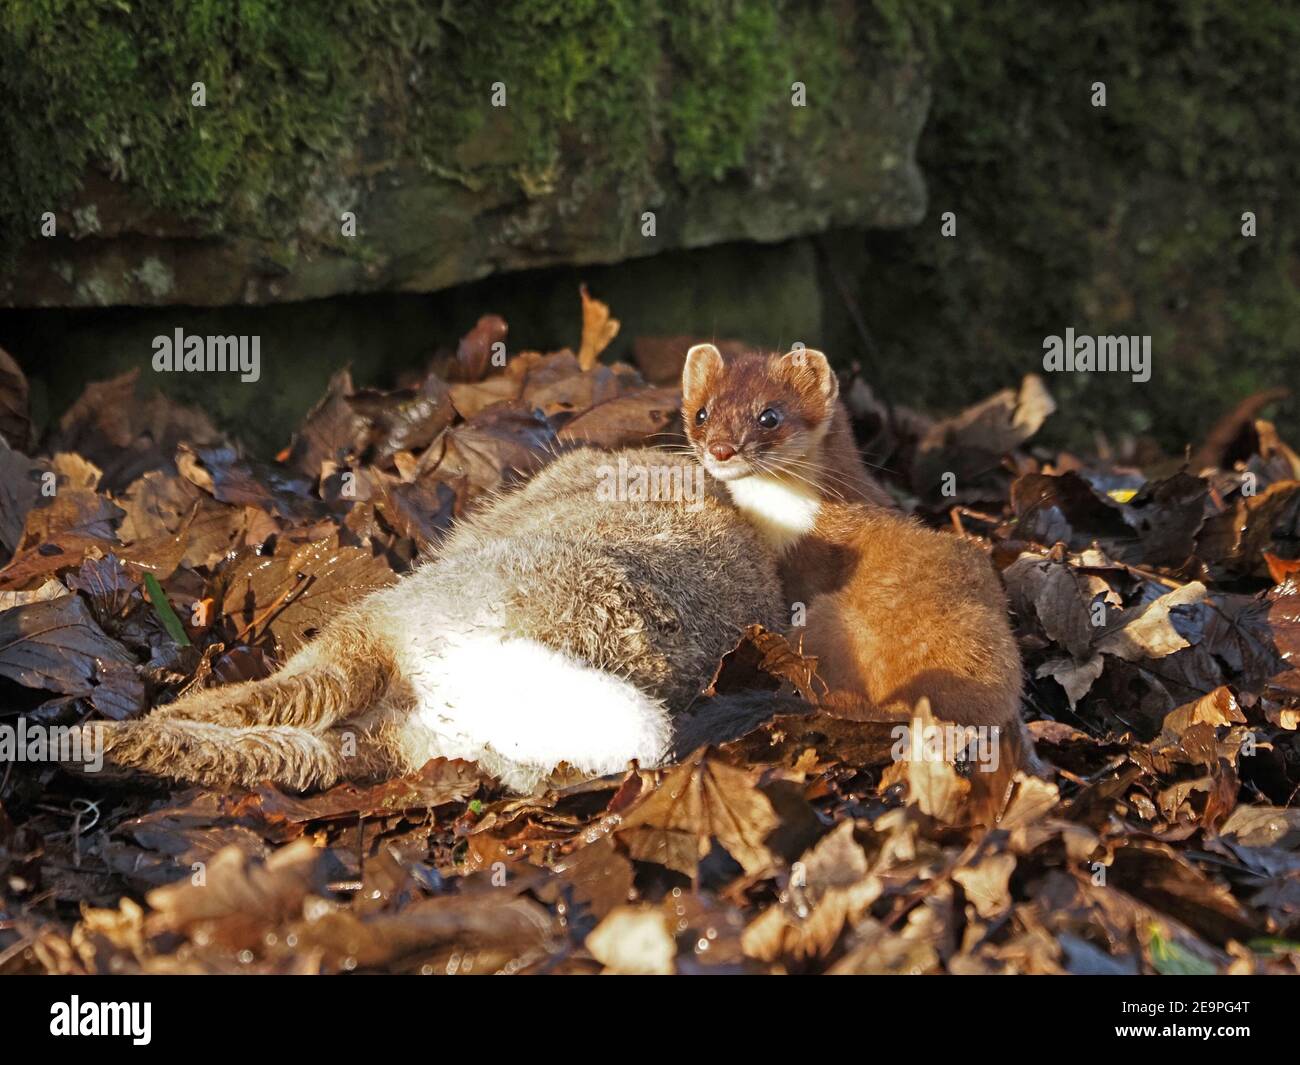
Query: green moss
1123, 219
729, 77
110, 85
736, 64
302, 95
571, 69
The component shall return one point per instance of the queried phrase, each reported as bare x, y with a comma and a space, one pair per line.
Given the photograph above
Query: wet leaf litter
1156, 600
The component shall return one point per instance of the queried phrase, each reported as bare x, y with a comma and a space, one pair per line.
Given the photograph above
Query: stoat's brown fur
895, 612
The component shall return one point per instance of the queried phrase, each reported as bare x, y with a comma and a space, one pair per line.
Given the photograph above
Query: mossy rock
1122, 219
388, 109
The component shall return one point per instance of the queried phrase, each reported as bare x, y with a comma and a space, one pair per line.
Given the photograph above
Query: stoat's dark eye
769, 419
701, 416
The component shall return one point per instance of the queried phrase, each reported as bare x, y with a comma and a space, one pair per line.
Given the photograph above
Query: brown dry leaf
1076, 678
1166, 881
421, 512
597, 875
996, 425
936, 789
533, 827
20, 488
829, 888
495, 447
1283, 629
492, 932
1067, 509
232, 479
474, 352
77, 511
1264, 826
1219, 707
125, 435
598, 329
123, 928
332, 429
1279, 569
34, 567
972, 444
104, 409
470, 398
407, 421
645, 418
1233, 543
987, 883
554, 384
15, 418
568, 394
160, 505
1148, 631
238, 899
764, 661
1221, 441
1280, 461
437, 783
183, 835
1166, 516
879, 951
51, 589
56, 646
349, 425
933, 783
1062, 597
1032, 798
634, 941
299, 589
697, 802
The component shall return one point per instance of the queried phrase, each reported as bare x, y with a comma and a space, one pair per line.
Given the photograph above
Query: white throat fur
782, 510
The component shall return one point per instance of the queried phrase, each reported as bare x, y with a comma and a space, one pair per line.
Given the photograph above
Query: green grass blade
166, 614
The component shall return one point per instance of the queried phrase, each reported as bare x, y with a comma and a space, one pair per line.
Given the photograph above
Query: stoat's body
558, 625
894, 611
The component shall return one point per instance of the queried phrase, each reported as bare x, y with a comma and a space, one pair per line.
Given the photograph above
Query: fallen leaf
699, 801
987, 883
829, 888
56, 646
598, 329
15, 417
634, 941
298, 590
474, 352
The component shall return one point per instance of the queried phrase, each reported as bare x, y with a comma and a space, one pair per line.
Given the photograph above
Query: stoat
560, 624
895, 612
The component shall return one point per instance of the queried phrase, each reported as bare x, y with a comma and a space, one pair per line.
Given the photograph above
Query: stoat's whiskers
783, 470
816, 474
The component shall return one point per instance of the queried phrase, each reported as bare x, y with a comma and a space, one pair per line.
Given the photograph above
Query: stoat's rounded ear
811, 371
702, 361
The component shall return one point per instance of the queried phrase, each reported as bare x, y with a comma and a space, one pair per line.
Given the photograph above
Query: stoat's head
757, 414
